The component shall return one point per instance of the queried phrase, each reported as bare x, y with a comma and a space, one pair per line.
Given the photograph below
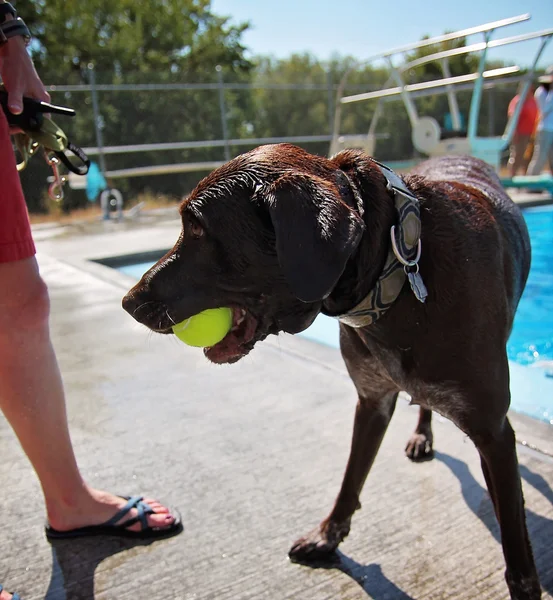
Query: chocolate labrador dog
424, 274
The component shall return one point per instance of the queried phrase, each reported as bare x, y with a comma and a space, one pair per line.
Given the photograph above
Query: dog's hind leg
419, 446
500, 467
372, 417
495, 440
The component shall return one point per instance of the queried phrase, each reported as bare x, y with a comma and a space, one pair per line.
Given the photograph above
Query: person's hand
19, 75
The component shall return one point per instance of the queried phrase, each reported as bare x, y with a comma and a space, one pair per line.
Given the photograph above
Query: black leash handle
78, 169
31, 118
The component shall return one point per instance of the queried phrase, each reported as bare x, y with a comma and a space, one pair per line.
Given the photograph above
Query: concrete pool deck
251, 454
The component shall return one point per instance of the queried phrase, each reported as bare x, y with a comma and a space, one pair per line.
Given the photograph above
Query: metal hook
55, 190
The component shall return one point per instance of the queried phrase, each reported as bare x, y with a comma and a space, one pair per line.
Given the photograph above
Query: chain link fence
138, 130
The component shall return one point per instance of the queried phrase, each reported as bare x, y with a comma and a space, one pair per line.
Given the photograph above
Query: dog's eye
196, 230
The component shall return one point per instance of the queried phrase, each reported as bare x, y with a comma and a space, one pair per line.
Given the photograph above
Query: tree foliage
165, 42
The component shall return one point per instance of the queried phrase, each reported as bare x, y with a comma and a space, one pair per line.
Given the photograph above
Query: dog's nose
129, 302
137, 305
148, 312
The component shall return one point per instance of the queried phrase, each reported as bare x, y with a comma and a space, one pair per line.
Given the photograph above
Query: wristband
9, 29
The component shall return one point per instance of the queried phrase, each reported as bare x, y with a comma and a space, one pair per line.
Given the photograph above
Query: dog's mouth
239, 340
245, 331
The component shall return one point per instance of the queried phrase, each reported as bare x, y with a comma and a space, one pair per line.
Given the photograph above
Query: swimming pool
530, 347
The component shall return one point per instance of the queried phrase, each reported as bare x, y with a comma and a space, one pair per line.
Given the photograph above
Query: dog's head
268, 234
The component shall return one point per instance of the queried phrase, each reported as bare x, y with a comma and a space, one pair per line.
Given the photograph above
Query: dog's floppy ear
316, 233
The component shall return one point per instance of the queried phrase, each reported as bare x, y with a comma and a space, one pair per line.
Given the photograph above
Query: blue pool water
530, 347
532, 338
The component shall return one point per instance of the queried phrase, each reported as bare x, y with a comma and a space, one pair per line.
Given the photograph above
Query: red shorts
16, 241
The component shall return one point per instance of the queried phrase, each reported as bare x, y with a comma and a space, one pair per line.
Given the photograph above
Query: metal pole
491, 112
97, 123
330, 100
451, 97
219, 70
476, 98
407, 100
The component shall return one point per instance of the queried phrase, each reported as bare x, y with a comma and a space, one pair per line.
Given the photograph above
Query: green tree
168, 41
182, 42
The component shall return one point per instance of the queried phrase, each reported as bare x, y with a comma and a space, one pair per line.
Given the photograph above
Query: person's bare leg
32, 399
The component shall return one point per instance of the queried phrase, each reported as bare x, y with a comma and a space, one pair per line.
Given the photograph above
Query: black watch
6, 9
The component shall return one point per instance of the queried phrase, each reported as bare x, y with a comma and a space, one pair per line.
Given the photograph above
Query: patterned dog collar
401, 262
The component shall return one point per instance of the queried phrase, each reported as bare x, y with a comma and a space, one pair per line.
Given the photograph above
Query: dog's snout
148, 311
137, 304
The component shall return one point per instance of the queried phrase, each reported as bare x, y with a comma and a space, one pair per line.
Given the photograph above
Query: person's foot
96, 507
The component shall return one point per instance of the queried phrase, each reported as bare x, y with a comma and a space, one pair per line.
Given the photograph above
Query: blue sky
363, 28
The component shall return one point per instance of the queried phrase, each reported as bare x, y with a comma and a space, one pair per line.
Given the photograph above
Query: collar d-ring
404, 261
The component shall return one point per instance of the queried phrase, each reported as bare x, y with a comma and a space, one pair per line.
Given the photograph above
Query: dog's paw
419, 447
320, 543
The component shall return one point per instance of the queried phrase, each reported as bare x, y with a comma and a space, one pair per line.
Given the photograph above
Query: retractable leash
39, 130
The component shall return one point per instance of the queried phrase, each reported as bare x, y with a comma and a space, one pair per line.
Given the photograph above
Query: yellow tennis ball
206, 328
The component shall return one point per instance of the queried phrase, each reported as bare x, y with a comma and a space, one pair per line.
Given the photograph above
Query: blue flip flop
112, 527
14, 595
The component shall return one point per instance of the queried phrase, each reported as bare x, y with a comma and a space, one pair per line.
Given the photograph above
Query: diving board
426, 133
529, 182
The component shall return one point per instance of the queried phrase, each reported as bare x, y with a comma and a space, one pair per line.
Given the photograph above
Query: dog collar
401, 262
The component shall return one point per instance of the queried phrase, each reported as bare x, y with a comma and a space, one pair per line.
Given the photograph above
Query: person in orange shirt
524, 130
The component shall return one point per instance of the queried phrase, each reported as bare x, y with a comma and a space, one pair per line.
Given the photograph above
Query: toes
298, 547
320, 543
155, 520
156, 506
303, 550
159, 519
309, 550
419, 447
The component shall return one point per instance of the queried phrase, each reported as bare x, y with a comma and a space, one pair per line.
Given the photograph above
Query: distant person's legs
518, 148
542, 149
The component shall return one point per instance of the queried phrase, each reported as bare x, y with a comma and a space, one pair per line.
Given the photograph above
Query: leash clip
55, 189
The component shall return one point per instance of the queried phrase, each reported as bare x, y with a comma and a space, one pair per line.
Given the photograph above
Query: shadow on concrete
537, 481
74, 563
370, 577
478, 500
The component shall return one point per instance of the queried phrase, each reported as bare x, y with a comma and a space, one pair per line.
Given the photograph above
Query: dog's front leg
372, 417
